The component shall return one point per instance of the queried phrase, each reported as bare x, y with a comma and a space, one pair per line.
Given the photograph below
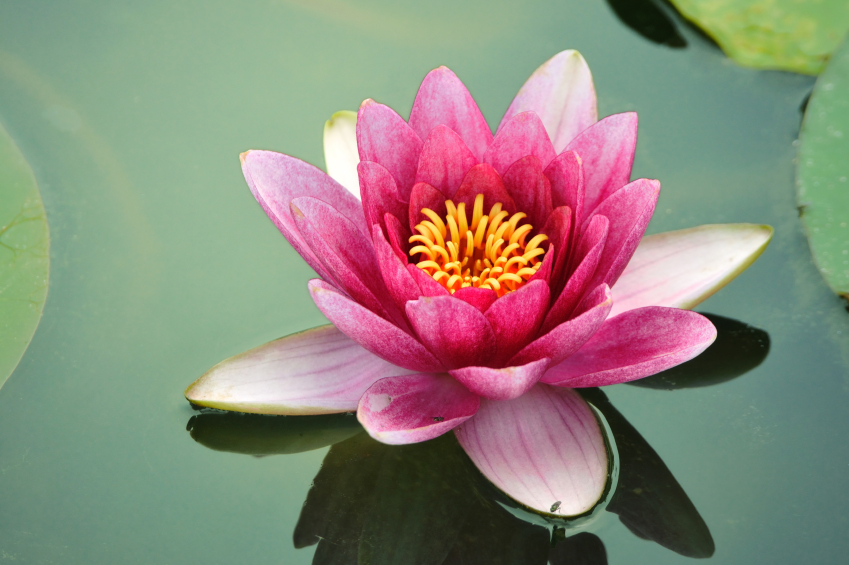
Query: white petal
340, 150
683, 268
562, 94
318, 371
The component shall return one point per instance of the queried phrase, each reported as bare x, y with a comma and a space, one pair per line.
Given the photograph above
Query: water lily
473, 280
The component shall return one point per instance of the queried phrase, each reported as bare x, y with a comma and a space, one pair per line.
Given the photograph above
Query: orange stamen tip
487, 252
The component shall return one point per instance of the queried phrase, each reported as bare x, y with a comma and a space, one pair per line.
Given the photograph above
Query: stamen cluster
490, 252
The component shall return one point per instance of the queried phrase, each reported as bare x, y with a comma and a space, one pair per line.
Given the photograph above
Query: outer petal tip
340, 115
315, 287
198, 392
191, 392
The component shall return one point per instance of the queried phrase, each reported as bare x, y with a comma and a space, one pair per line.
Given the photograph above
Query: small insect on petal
555, 506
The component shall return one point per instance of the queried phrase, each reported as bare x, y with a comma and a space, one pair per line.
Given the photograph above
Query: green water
132, 115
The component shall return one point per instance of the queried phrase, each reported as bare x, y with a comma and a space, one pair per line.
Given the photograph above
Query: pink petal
456, 332
523, 135
384, 137
567, 190
340, 150
683, 268
542, 448
544, 271
379, 193
399, 282
428, 286
399, 236
531, 191
629, 211
633, 345
607, 151
588, 252
480, 298
444, 161
424, 196
483, 179
318, 371
567, 184
343, 250
562, 94
568, 337
515, 319
276, 179
382, 338
558, 228
414, 408
501, 384
443, 100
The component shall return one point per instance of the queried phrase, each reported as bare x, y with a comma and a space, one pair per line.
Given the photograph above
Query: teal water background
132, 115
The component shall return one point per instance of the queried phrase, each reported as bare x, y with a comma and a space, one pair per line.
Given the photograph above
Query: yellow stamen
424, 250
488, 252
437, 221
425, 265
455, 232
461, 219
437, 233
421, 239
534, 243
518, 235
477, 211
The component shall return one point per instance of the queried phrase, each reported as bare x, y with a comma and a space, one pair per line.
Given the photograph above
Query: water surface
132, 115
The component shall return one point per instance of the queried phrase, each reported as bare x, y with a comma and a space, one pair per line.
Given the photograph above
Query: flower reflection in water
427, 503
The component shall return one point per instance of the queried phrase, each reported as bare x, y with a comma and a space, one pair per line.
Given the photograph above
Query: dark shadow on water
738, 349
648, 20
660, 22
427, 503
648, 499
377, 504
255, 434
580, 549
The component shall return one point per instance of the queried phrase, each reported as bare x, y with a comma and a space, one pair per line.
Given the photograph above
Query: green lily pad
790, 35
24, 255
822, 173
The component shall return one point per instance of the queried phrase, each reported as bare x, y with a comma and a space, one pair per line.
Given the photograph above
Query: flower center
490, 252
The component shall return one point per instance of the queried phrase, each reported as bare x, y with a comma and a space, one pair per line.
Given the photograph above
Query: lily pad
24, 255
790, 35
822, 174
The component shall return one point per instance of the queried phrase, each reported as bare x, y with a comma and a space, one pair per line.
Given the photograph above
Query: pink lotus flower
481, 278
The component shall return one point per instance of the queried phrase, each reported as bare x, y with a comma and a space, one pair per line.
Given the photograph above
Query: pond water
132, 115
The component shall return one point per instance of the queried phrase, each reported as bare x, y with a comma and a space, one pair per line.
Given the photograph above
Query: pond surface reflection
427, 503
